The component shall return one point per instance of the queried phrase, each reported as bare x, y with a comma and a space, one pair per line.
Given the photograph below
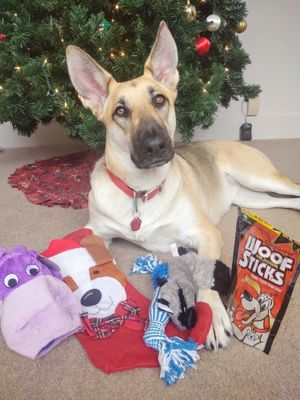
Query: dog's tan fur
201, 181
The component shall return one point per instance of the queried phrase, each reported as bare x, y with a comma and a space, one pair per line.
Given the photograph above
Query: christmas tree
34, 82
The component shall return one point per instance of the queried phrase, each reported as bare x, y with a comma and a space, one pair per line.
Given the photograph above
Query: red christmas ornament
2, 37
202, 46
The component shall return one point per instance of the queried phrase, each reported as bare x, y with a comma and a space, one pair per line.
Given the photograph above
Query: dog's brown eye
159, 100
121, 111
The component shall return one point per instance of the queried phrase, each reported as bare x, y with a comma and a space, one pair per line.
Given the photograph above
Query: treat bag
265, 269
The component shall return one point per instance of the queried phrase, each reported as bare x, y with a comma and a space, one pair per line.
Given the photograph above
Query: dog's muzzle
151, 145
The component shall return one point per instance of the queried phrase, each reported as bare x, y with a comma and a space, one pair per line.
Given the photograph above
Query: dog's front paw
221, 329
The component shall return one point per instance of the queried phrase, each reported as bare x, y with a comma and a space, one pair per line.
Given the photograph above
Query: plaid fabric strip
101, 328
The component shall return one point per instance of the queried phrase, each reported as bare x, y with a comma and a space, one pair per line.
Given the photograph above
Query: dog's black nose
152, 146
188, 318
247, 295
91, 297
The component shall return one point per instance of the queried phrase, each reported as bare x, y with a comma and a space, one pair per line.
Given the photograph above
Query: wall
272, 40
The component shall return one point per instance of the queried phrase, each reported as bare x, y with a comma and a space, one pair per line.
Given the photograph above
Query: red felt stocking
124, 348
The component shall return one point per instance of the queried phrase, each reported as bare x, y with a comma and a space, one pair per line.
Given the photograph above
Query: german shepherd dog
144, 190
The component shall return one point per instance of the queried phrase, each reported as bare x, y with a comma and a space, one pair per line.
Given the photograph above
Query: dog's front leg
210, 245
219, 334
210, 242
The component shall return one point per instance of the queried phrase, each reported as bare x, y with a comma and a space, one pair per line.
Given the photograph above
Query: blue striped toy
175, 355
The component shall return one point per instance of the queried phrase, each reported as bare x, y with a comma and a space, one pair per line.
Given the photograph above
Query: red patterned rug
63, 180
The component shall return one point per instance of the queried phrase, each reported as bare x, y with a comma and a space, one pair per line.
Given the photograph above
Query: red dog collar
135, 195
142, 194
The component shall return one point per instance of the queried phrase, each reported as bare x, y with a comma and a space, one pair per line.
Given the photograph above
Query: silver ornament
214, 22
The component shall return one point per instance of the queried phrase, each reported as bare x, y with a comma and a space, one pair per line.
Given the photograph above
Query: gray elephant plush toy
190, 274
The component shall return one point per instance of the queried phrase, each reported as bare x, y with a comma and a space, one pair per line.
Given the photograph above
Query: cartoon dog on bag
252, 319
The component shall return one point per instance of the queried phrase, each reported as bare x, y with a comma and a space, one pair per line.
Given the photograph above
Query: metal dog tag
136, 223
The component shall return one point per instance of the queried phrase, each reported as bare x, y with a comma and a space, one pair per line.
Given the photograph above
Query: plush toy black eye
163, 304
182, 251
11, 280
32, 269
188, 318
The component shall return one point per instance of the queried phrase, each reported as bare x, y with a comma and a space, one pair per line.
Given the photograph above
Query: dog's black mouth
147, 164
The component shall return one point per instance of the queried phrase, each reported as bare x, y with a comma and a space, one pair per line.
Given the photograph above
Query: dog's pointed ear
163, 58
89, 79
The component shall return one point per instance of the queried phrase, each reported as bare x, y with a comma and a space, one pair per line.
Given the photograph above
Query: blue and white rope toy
145, 265
175, 355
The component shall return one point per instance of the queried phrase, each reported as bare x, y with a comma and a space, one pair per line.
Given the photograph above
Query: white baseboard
46, 135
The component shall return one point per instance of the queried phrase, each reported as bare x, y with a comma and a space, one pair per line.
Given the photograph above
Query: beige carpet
238, 372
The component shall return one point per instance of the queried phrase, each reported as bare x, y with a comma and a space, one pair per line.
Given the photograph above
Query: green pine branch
34, 83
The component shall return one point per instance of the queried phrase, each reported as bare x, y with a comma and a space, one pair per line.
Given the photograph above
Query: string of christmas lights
122, 29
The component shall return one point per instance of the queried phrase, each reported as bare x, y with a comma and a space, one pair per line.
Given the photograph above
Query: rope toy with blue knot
175, 355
